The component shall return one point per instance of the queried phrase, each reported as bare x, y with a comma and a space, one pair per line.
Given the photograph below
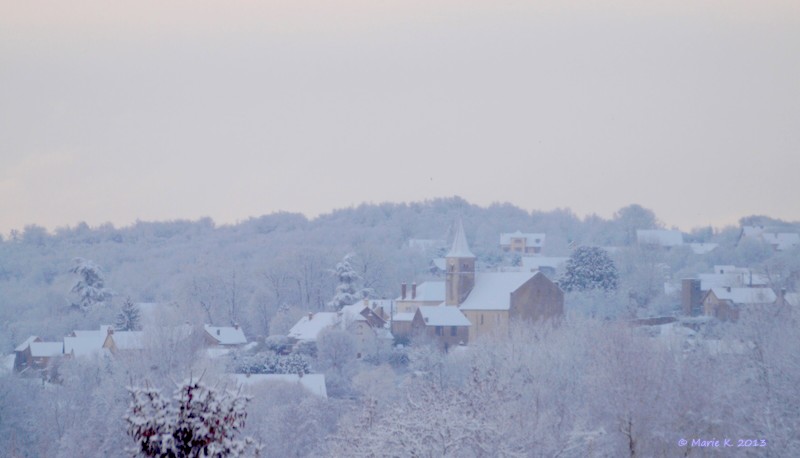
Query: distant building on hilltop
779, 241
525, 243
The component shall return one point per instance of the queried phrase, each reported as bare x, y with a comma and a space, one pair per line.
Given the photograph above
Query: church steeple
460, 248
460, 269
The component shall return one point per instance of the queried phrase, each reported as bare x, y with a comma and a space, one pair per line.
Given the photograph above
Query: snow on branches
90, 287
346, 292
589, 268
129, 318
201, 421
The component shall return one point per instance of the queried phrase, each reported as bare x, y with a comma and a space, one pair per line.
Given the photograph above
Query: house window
439, 330
452, 331
481, 318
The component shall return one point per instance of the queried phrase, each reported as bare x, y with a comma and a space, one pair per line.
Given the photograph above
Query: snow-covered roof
24, 345
128, 340
386, 305
403, 316
537, 262
663, 237
352, 313
731, 278
703, 248
85, 342
433, 291
314, 383
793, 299
46, 349
308, 328
745, 295
442, 315
460, 248
492, 290
782, 241
752, 231
531, 238
226, 335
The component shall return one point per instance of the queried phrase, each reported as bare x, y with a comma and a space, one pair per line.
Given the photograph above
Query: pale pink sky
164, 110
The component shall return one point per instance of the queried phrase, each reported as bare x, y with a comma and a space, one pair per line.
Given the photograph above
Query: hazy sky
156, 110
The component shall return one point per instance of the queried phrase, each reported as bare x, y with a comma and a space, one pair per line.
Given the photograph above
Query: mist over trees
588, 385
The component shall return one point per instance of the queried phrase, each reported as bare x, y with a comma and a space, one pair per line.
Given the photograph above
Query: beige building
499, 299
518, 242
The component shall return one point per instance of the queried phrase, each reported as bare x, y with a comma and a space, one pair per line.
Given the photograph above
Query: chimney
217, 331
236, 326
403, 291
414, 290
110, 330
728, 289
310, 316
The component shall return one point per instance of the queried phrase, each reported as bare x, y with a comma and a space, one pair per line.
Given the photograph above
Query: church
491, 301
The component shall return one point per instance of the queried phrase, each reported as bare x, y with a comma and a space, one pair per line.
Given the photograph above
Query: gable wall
538, 298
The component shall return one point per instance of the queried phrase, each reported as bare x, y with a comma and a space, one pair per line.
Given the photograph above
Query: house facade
524, 243
444, 324
727, 303
502, 298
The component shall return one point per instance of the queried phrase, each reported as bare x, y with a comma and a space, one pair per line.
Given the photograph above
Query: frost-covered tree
90, 287
201, 421
336, 356
347, 292
589, 268
129, 318
267, 363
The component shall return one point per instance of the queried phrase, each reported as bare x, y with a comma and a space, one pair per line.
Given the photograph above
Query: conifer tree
346, 292
129, 318
90, 287
589, 268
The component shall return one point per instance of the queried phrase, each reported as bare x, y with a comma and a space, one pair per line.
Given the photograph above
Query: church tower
460, 269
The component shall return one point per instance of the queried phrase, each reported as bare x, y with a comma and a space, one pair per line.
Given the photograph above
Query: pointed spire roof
460, 248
